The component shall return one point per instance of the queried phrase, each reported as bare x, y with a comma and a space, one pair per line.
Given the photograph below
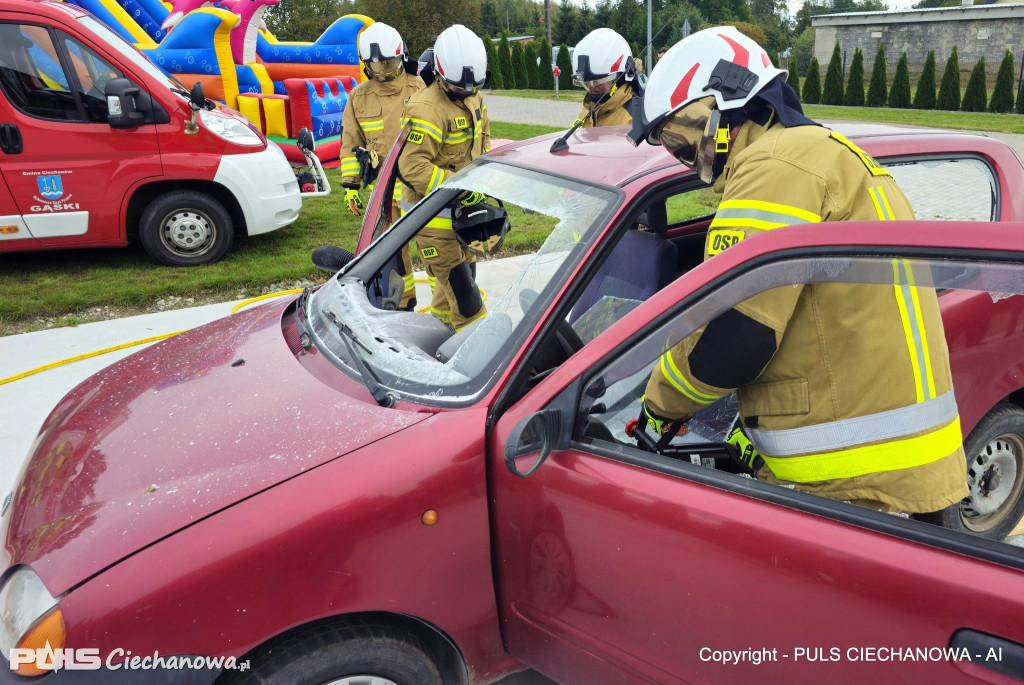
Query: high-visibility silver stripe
836, 435
915, 331
761, 215
876, 191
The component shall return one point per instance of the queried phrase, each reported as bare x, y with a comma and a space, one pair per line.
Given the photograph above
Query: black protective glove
368, 165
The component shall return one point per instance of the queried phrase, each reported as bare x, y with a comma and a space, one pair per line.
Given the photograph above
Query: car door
616, 565
73, 173
13, 231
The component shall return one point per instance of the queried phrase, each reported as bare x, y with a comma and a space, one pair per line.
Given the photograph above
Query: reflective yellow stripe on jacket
679, 381
427, 128
349, 166
761, 215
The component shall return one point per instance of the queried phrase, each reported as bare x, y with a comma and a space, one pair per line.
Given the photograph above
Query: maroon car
331, 491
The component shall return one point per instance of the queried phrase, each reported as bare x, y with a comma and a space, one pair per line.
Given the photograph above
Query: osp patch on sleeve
719, 240
415, 137
429, 252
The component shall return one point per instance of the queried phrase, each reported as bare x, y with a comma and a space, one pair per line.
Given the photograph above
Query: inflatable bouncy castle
280, 86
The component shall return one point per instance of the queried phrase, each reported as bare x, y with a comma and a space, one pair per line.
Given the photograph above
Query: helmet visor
385, 70
471, 88
597, 86
685, 133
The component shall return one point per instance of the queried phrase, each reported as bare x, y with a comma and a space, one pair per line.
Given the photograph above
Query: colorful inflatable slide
279, 86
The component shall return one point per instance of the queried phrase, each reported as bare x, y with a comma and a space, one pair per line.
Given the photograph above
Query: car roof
47, 8
604, 155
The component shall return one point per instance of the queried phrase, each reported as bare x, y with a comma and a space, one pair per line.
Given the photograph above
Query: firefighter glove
354, 203
656, 422
748, 456
472, 199
368, 163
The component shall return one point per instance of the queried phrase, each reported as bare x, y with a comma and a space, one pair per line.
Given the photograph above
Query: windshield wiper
370, 380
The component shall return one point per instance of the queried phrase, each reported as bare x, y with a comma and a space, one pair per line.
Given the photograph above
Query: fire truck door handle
10, 139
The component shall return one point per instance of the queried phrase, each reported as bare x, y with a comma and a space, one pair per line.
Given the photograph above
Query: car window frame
569, 402
69, 75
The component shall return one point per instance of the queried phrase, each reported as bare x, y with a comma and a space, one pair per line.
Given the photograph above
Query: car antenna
562, 143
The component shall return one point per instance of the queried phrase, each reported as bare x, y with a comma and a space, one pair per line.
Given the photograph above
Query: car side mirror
196, 96
122, 109
531, 441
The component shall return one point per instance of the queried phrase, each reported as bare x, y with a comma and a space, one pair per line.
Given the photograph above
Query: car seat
641, 264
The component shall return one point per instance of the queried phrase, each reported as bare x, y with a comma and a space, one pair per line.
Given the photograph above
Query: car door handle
10, 139
999, 654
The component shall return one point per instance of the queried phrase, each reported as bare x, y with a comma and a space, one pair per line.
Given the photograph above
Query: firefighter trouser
456, 298
408, 301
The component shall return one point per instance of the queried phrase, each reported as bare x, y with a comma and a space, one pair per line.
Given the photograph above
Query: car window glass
948, 189
93, 72
982, 305
31, 76
692, 204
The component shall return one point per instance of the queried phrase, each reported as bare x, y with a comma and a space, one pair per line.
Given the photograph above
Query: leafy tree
301, 20
497, 81
899, 94
833, 93
855, 83
794, 80
975, 95
420, 20
751, 31
924, 98
564, 67
949, 88
802, 51
520, 66
812, 84
532, 69
547, 79
877, 88
1002, 94
508, 75
773, 56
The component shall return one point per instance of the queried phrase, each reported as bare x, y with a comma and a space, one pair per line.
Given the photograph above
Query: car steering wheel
563, 344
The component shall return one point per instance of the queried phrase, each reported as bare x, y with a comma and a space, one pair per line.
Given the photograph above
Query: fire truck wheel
186, 228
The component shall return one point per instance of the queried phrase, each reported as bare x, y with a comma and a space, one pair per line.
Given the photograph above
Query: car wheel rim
363, 680
995, 479
187, 232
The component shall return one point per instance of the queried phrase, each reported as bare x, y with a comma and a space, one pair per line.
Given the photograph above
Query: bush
1002, 94
497, 81
899, 94
833, 92
794, 79
877, 88
546, 78
565, 67
812, 83
774, 58
855, 84
1020, 99
949, 88
508, 76
924, 98
976, 95
520, 66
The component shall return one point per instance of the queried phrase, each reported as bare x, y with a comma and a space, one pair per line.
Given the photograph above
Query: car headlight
30, 618
228, 128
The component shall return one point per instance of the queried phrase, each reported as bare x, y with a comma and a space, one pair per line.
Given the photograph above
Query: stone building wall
980, 31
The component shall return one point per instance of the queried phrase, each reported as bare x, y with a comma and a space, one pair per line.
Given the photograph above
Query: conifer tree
976, 95
949, 88
924, 97
530, 51
794, 79
899, 94
877, 88
1002, 94
508, 75
812, 83
833, 92
547, 78
497, 82
564, 68
1020, 99
855, 84
519, 66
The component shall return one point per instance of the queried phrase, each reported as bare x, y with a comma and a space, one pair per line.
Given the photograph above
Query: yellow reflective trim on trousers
674, 376
426, 127
410, 282
482, 316
803, 215
857, 461
440, 222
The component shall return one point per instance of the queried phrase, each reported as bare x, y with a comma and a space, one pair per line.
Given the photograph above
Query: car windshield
414, 353
129, 52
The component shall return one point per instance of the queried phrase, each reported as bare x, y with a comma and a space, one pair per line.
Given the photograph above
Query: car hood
173, 434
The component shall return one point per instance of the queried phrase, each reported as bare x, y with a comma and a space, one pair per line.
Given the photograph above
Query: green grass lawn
73, 283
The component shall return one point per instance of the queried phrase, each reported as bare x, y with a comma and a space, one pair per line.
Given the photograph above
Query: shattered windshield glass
413, 353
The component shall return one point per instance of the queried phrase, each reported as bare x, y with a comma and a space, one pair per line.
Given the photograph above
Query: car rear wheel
366, 654
995, 476
186, 228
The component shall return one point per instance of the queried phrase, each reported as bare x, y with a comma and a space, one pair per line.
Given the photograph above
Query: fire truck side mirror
196, 96
122, 109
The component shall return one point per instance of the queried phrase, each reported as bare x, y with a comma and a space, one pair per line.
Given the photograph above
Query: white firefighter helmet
460, 61
710, 72
382, 52
599, 60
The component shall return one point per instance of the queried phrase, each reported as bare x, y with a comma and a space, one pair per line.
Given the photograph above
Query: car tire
341, 655
995, 476
186, 228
